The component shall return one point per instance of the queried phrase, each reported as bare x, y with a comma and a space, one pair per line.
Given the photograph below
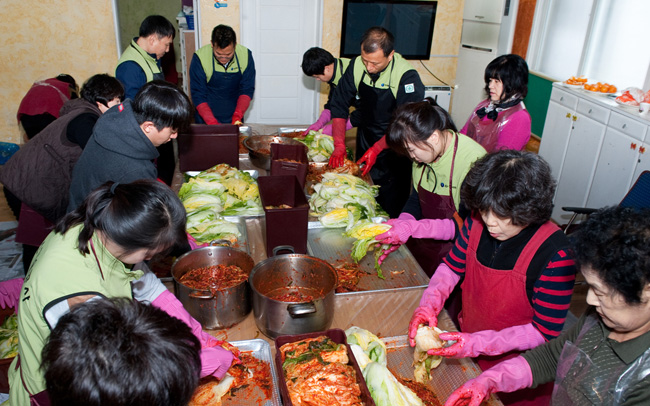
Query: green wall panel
539, 94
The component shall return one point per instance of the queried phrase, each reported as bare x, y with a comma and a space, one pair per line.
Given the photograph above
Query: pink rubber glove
370, 157
10, 293
338, 133
394, 245
327, 130
325, 117
214, 359
508, 376
243, 101
195, 244
206, 114
441, 284
490, 342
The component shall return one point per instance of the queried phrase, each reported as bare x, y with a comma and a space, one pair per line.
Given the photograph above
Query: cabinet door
614, 169
578, 166
557, 127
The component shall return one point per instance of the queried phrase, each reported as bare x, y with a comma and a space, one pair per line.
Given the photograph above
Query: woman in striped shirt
515, 270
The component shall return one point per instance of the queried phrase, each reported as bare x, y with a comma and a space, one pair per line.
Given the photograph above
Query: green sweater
609, 357
59, 271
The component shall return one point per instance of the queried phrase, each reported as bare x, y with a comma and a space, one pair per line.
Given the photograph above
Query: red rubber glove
441, 284
338, 133
243, 101
490, 342
327, 130
370, 157
214, 359
508, 376
10, 293
325, 117
206, 114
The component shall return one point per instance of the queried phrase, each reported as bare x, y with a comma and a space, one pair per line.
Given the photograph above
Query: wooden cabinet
595, 149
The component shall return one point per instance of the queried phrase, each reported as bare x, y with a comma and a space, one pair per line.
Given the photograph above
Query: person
140, 355
604, 358
501, 121
37, 176
222, 79
140, 63
43, 101
96, 252
507, 245
124, 141
426, 133
382, 80
321, 65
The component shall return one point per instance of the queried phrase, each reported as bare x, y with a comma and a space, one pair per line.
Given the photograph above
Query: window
600, 39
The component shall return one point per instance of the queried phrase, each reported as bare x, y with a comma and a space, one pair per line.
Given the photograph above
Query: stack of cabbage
370, 353
214, 193
364, 232
343, 191
319, 146
9, 337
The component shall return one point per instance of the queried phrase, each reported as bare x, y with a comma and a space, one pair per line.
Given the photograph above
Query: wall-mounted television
411, 23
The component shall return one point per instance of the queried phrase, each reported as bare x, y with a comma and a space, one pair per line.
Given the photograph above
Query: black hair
415, 122
314, 61
163, 104
512, 71
102, 88
223, 35
377, 38
614, 243
514, 185
145, 214
158, 25
120, 352
72, 84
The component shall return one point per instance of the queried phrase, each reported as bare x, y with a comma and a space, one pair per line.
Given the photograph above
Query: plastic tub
290, 160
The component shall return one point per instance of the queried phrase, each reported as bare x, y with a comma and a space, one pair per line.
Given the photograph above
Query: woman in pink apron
604, 359
513, 264
501, 121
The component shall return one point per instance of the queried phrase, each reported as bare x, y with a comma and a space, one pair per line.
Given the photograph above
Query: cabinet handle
642, 150
561, 98
575, 118
589, 112
633, 145
568, 115
623, 126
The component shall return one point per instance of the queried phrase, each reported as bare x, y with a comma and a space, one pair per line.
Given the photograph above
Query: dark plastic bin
204, 146
296, 153
338, 336
284, 226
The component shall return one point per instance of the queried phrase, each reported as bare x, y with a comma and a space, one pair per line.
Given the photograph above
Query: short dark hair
615, 243
120, 352
514, 185
145, 214
158, 25
223, 35
102, 88
163, 104
314, 61
415, 122
72, 84
377, 38
512, 71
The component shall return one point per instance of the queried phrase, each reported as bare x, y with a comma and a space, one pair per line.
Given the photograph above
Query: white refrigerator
488, 29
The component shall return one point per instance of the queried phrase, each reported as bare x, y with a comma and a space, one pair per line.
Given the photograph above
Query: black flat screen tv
410, 22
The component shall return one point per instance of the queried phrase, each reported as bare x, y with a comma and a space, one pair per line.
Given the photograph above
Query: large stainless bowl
259, 148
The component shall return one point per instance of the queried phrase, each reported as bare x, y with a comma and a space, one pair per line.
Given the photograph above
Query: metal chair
637, 197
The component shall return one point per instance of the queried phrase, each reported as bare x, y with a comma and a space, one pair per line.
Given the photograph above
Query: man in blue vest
140, 64
222, 79
322, 66
380, 80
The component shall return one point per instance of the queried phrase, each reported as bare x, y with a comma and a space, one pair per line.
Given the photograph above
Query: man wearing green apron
222, 79
380, 80
140, 64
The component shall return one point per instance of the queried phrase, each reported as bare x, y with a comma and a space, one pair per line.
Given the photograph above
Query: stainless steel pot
291, 273
227, 307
